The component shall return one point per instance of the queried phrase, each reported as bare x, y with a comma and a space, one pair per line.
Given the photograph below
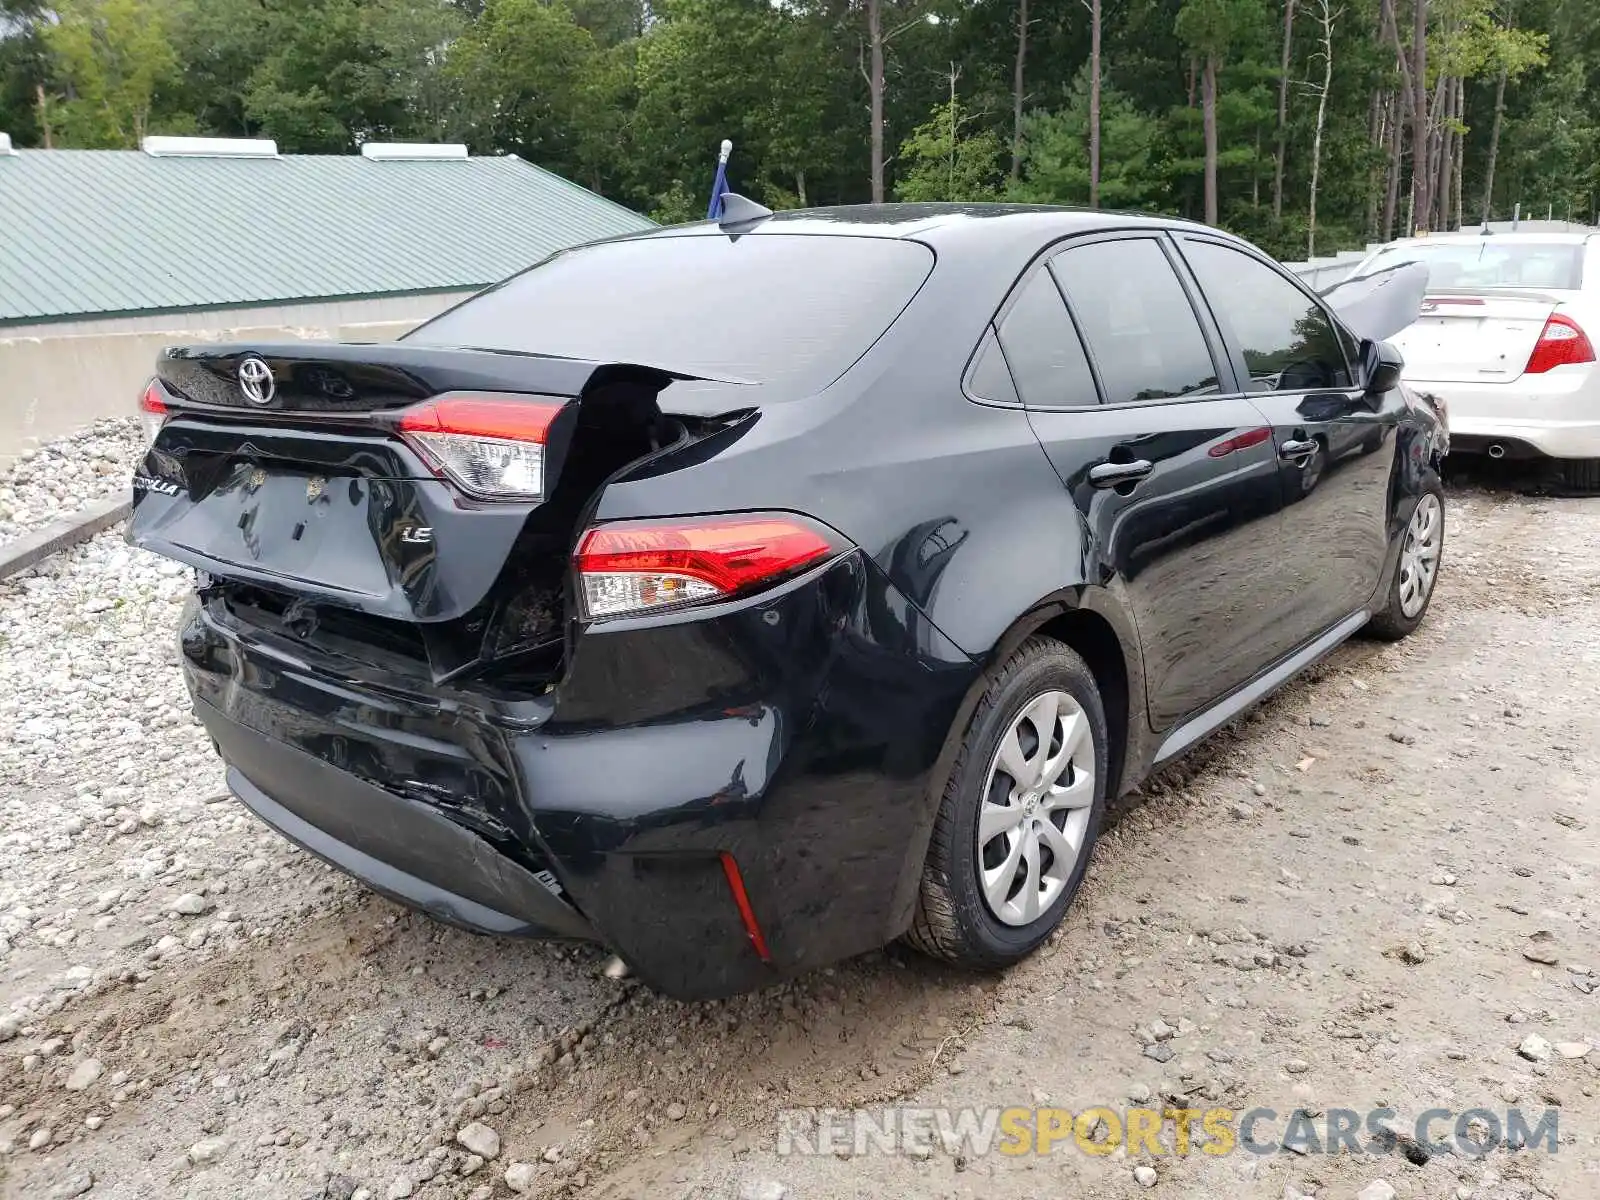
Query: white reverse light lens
489, 466
609, 594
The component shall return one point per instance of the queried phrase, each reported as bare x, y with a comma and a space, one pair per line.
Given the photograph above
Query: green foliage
529, 76
112, 56
1210, 27
632, 97
1135, 156
946, 159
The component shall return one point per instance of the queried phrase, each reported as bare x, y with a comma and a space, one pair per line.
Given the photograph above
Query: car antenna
740, 211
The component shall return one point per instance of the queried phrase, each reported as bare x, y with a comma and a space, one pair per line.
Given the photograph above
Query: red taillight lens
490, 446
640, 566
152, 411
1562, 342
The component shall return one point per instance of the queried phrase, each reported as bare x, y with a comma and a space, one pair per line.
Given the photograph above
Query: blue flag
720, 187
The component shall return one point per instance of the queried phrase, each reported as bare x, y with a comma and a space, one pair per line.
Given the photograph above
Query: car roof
943, 224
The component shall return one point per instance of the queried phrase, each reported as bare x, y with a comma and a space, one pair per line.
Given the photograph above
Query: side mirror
1381, 365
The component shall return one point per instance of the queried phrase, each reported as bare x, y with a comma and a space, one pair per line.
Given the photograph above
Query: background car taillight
152, 411
628, 567
1561, 342
490, 446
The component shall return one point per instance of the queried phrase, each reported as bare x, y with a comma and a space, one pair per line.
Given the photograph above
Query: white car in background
1506, 338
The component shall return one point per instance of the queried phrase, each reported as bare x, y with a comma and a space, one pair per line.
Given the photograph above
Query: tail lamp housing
491, 446
153, 411
628, 568
1561, 342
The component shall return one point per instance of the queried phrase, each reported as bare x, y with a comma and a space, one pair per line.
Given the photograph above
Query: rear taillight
630, 567
1562, 342
490, 446
152, 411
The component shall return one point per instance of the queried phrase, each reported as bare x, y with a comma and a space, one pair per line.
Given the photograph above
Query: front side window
1137, 320
1290, 344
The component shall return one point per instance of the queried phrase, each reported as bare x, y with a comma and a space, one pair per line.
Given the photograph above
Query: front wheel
1020, 812
1421, 552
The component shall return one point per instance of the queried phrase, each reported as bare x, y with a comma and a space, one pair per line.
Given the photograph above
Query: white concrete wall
1320, 273
60, 379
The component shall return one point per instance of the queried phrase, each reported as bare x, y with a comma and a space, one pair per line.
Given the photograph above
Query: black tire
1581, 475
1390, 623
953, 921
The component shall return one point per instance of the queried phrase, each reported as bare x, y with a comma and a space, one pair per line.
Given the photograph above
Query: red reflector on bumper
742, 900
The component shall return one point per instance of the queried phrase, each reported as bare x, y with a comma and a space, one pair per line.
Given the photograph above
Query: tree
1094, 103
1514, 52
531, 81
946, 159
1283, 109
24, 70
111, 59
1016, 89
1208, 27
879, 34
1325, 18
1055, 170
326, 75
793, 123
1421, 196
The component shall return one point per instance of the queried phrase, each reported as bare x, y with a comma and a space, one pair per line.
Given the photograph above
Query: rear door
1333, 442
1170, 469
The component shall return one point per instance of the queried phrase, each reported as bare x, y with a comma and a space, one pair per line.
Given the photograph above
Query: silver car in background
1506, 337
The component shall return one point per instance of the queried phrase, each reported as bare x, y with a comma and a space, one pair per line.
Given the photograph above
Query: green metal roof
101, 232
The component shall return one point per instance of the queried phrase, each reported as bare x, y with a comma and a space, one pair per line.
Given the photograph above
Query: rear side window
1042, 347
1137, 319
1290, 344
990, 379
785, 309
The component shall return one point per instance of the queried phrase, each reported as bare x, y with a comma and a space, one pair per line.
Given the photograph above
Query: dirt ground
1377, 891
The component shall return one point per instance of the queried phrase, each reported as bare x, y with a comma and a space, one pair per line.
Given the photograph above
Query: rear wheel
1020, 813
1420, 554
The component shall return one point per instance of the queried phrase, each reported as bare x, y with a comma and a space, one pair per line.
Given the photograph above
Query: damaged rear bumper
793, 734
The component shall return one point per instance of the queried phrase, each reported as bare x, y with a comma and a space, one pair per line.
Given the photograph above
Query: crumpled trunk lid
302, 502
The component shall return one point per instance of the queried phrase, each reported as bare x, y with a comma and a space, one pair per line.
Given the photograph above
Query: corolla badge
149, 483
255, 380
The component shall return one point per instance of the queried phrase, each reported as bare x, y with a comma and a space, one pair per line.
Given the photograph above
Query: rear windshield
793, 310
1490, 263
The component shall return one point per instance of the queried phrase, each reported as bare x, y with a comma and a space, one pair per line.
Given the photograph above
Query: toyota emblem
255, 381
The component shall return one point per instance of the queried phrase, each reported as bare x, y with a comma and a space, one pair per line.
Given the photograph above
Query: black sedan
744, 596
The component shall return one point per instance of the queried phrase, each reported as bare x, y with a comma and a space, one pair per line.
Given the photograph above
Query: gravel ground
1333, 905
56, 480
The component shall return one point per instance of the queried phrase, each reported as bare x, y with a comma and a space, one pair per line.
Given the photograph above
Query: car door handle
1110, 474
1295, 448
